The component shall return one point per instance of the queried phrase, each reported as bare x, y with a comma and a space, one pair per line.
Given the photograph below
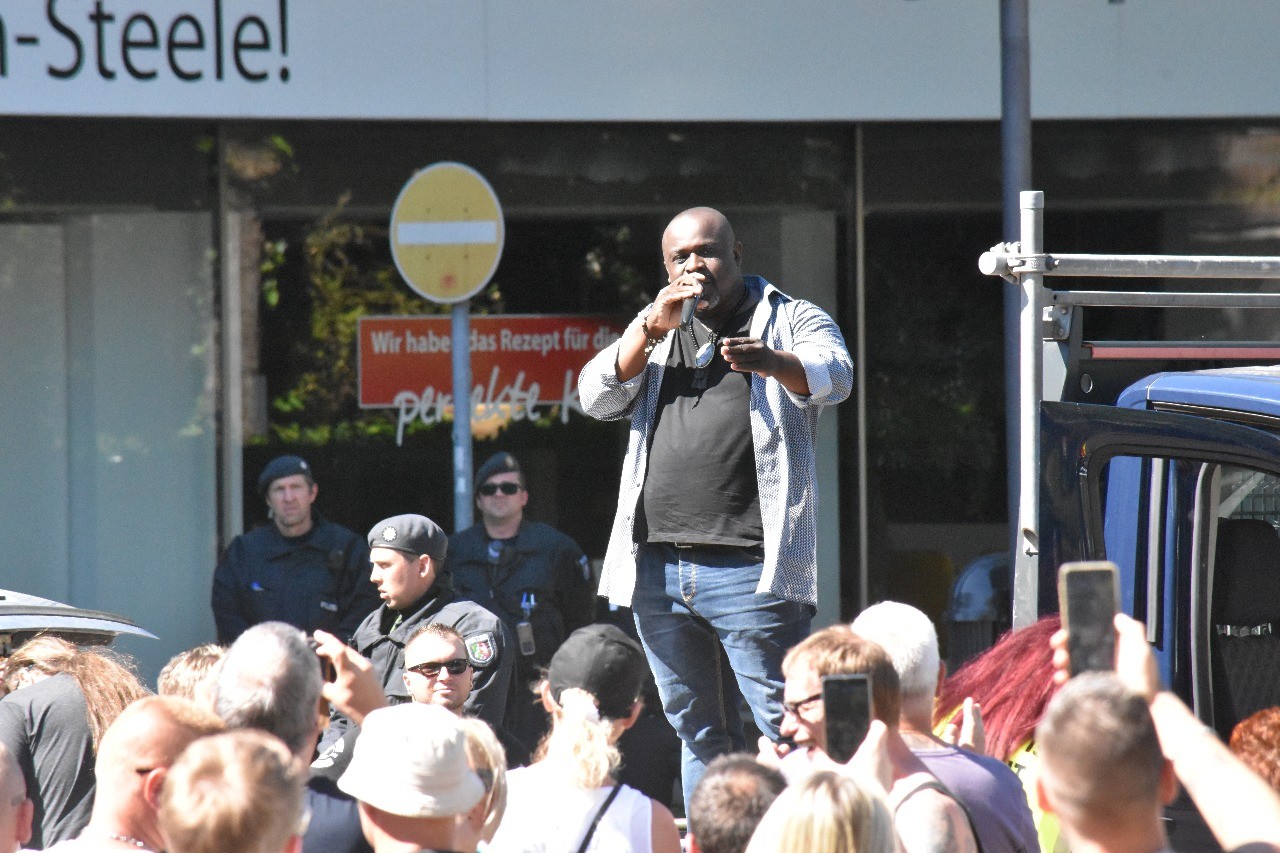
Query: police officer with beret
301, 568
532, 576
408, 556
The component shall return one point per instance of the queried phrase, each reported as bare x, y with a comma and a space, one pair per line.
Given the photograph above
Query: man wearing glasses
533, 577
436, 668
437, 671
928, 819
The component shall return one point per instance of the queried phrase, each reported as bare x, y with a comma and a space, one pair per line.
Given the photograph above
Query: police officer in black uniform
300, 568
532, 576
408, 554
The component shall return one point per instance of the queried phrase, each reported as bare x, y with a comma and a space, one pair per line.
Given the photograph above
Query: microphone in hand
686, 310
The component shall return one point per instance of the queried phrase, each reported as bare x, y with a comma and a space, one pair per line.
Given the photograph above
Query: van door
1189, 508
1147, 490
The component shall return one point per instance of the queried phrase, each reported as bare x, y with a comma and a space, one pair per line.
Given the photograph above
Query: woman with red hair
1011, 684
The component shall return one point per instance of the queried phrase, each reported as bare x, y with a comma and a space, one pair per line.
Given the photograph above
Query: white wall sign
628, 60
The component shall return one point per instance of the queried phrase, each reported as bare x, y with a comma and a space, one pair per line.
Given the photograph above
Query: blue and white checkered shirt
783, 428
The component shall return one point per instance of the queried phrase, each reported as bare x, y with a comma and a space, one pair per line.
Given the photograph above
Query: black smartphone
1088, 598
327, 672
846, 700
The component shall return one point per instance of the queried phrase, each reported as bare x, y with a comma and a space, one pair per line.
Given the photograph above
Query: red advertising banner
521, 364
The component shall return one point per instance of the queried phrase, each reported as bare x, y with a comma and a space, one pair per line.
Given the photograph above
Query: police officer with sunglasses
532, 576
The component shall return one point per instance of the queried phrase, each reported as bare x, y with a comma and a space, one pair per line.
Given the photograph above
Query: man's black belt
756, 551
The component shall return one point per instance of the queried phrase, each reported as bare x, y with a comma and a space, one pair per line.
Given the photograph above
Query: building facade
194, 202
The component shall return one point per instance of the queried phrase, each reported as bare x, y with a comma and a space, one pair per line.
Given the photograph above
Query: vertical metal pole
1026, 577
461, 349
1015, 110
1015, 150
860, 366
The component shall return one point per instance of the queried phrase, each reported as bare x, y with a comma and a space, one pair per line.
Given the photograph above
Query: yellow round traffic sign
447, 232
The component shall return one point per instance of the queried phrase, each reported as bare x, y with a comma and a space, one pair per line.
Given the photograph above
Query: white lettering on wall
514, 400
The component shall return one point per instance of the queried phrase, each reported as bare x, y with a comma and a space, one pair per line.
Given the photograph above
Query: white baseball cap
411, 760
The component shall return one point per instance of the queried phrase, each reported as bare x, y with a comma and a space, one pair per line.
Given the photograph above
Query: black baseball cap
603, 661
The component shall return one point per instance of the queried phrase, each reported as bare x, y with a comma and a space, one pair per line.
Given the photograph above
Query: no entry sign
447, 232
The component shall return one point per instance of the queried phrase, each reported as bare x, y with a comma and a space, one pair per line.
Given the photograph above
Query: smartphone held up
1088, 599
327, 671
846, 700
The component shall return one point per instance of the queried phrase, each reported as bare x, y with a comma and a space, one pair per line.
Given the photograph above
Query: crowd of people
226, 756
410, 691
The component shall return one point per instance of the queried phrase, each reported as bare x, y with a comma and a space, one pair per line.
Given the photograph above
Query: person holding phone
1114, 746
928, 819
714, 544
990, 792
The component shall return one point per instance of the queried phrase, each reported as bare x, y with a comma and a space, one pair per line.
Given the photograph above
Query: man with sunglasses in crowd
533, 577
437, 670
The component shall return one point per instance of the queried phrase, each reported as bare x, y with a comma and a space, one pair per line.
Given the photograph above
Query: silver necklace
127, 839
705, 353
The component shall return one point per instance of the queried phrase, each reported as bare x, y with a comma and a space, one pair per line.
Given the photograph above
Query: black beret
283, 466
412, 534
498, 463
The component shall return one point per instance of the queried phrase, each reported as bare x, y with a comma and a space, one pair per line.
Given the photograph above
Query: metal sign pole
461, 351
1015, 167
447, 232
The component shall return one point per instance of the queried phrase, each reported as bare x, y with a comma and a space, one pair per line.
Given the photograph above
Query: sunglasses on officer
491, 489
431, 668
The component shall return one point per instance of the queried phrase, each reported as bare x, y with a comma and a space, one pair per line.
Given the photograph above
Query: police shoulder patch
482, 648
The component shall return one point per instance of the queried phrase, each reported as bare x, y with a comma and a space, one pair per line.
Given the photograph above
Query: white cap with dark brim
411, 760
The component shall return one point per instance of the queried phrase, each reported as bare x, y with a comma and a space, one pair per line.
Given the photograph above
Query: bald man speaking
714, 545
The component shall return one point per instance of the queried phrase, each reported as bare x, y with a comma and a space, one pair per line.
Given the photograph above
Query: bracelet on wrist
650, 342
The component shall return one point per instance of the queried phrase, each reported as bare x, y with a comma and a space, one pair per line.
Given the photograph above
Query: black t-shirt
46, 729
701, 484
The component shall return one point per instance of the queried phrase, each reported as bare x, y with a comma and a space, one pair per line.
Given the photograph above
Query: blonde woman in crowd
567, 800
488, 759
829, 812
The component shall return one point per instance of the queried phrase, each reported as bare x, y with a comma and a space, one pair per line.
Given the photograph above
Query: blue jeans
713, 641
